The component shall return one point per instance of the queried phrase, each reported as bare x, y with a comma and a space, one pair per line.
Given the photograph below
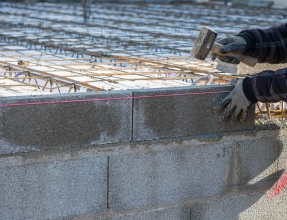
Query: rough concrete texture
174, 213
163, 179
245, 69
186, 173
181, 212
54, 190
225, 208
255, 164
255, 206
282, 164
271, 124
165, 117
267, 207
158, 178
57, 126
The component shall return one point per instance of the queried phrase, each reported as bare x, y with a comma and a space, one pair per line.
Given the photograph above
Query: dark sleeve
267, 45
267, 86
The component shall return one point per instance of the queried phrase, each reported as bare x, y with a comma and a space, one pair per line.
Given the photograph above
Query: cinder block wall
108, 156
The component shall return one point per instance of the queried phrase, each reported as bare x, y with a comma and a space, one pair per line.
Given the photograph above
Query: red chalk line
108, 99
281, 184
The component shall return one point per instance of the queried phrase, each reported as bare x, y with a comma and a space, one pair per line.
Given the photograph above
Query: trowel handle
250, 61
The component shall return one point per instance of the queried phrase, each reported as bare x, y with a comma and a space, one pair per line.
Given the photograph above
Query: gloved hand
236, 105
234, 44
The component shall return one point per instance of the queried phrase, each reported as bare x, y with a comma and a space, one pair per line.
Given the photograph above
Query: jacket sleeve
267, 45
266, 86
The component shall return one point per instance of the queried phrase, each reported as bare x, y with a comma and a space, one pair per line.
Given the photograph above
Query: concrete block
245, 69
174, 213
255, 164
166, 117
171, 176
59, 126
54, 190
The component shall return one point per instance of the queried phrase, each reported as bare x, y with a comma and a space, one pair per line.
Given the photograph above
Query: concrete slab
59, 126
54, 190
170, 176
165, 117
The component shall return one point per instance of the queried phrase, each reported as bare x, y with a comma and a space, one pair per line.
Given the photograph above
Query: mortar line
132, 121
108, 181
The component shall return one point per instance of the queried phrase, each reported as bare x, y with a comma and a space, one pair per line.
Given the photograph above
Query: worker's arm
267, 86
267, 45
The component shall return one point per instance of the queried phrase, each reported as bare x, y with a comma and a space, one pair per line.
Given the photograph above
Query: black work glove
235, 105
234, 44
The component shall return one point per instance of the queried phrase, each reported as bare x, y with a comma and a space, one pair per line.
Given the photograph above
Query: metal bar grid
96, 73
52, 48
